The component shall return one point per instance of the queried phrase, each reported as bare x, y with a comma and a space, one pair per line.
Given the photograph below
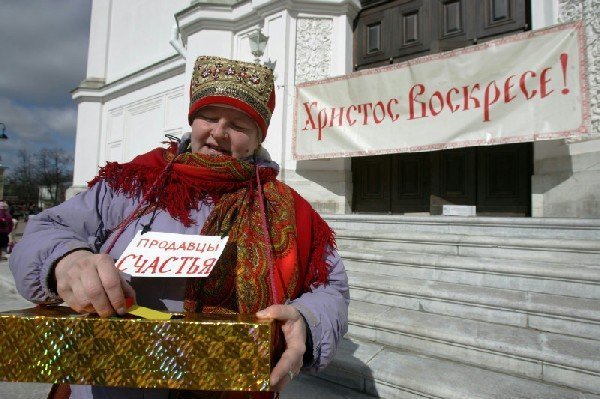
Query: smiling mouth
214, 149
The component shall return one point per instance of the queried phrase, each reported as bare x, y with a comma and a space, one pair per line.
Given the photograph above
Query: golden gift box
199, 352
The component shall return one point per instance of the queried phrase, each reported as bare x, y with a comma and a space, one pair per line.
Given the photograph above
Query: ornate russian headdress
243, 85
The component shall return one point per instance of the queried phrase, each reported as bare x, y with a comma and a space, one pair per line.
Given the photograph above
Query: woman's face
220, 130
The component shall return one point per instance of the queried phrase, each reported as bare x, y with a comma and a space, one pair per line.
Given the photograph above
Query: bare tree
22, 181
48, 169
53, 171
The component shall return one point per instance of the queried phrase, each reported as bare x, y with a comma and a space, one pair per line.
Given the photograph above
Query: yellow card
147, 313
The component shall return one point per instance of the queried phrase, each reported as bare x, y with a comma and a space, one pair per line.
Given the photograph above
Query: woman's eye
239, 128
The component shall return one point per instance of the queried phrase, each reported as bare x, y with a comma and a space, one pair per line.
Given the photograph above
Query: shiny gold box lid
199, 352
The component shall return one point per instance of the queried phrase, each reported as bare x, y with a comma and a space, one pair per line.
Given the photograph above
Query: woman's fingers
112, 286
294, 332
128, 291
291, 361
279, 312
95, 290
76, 297
90, 283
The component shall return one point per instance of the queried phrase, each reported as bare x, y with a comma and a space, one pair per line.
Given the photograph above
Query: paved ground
302, 387
9, 299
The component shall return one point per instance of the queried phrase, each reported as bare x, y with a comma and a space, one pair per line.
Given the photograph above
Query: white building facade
137, 86
142, 52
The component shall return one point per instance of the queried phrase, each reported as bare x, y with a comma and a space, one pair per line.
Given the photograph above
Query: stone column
89, 101
567, 172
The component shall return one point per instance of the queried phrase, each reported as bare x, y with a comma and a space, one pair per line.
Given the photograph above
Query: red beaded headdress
243, 85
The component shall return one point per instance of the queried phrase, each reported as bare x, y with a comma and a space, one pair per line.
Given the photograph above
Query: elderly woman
279, 262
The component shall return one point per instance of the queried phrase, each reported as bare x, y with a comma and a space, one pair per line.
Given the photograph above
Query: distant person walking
12, 235
6, 226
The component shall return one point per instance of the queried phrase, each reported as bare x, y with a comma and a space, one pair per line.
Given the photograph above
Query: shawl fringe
148, 180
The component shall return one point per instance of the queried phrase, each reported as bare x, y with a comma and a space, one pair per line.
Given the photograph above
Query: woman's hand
294, 331
90, 283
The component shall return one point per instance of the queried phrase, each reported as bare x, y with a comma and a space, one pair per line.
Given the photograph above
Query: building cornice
245, 14
96, 90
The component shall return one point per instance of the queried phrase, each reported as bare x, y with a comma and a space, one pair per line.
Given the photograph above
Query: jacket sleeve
325, 310
55, 232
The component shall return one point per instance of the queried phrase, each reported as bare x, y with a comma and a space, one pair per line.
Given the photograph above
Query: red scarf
255, 270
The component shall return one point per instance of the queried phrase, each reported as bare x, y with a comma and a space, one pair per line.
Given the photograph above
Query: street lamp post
258, 43
3, 136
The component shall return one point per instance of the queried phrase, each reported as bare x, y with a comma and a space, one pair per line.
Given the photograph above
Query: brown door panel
503, 179
373, 37
498, 17
453, 178
410, 182
412, 29
454, 24
371, 179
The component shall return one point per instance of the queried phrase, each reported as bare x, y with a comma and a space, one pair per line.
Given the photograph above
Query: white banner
524, 87
156, 254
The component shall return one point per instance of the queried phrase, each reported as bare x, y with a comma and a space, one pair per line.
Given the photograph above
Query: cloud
62, 121
43, 49
34, 128
43, 56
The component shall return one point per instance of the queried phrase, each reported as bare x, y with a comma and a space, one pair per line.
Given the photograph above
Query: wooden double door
495, 179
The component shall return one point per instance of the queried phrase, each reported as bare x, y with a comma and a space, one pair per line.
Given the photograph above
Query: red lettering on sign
208, 266
162, 270
152, 266
367, 107
339, 116
348, 118
193, 269
123, 260
528, 94
171, 247
394, 117
440, 101
490, 100
468, 96
412, 99
381, 107
453, 108
507, 86
322, 122
310, 117
544, 80
185, 259
139, 264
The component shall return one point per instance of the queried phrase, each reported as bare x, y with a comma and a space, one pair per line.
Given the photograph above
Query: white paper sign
171, 255
524, 87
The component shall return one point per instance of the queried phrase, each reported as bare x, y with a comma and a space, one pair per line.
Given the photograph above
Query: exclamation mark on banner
563, 64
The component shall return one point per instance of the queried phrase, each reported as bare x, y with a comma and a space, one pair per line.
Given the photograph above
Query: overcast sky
43, 56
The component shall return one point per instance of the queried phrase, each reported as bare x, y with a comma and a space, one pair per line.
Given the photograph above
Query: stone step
569, 361
309, 386
562, 315
585, 252
524, 275
569, 228
393, 373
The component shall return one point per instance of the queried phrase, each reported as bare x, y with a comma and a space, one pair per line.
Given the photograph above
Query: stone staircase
450, 307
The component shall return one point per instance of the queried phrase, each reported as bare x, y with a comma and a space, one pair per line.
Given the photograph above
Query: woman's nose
220, 130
